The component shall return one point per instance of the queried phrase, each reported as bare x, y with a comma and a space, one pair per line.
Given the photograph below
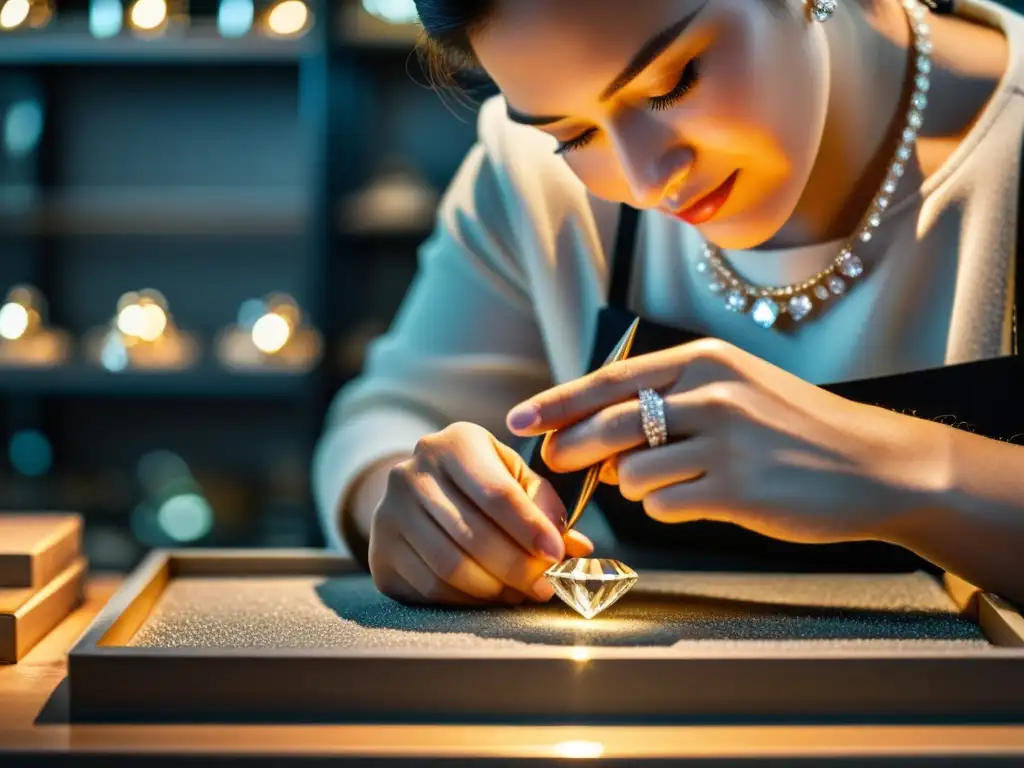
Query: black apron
985, 394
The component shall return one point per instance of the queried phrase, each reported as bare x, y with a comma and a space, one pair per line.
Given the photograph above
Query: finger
481, 539
565, 404
450, 564
609, 471
641, 473
490, 484
421, 584
619, 428
544, 496
578, 545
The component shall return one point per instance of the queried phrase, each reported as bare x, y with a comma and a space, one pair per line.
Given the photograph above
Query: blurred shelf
154, 211
205, 380
359, 31
200, 44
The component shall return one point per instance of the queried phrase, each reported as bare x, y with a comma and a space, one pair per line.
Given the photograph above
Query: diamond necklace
765, 304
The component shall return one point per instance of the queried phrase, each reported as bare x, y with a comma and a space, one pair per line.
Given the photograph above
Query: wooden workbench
33, 728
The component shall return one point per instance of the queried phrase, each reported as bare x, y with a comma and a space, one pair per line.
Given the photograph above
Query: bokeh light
288, 17
14, 13
148, 15
270, 333
13, 321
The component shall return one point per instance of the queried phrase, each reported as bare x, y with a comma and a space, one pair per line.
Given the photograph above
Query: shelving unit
212, 170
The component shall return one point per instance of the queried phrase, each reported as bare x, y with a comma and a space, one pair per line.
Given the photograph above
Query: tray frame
110, 679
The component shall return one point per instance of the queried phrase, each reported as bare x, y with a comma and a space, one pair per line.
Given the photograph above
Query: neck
868, 44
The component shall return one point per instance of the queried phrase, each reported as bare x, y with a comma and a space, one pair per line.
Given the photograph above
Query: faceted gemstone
836, 285
882, 202
765, 312
822, 10
716, 287
920, 101
874, 220
736, 301
702, 266
821, 292
915, 118
865, 236
897, 170
909, 135
799, 306
851, 266
903, 153
924, 65
589, 585
922, 83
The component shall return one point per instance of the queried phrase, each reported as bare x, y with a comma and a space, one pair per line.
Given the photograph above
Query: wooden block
35, 548
27, 615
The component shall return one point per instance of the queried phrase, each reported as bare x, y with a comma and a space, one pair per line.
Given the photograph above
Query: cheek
599, 169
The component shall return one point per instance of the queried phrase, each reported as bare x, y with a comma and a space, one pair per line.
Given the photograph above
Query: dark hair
446, 53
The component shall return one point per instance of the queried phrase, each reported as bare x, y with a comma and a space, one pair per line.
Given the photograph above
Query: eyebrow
646, 56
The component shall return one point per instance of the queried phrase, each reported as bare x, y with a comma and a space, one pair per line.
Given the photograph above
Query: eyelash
687, 80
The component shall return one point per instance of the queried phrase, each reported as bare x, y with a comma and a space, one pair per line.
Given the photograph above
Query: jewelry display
25, 339
269, 335
142, 335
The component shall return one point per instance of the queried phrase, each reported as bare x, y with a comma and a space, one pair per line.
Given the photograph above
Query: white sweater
510, 284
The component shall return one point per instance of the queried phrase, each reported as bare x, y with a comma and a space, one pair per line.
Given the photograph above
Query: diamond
914, 119
836, 285
821, 292
799, 306
765, 312
822, 10
922, 82
716, 287
851, 266
924, 64
702, 266
919, 100
736, 301
590, 585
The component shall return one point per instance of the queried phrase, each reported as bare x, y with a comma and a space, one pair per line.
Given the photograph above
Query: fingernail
523, 416
549, 545
542, 589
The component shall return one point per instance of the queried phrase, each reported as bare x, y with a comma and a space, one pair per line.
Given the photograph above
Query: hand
466, 521
748, 444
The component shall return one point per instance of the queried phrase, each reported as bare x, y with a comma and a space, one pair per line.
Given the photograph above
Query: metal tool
590, 482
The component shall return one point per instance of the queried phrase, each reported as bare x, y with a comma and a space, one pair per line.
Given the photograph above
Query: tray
27, 615
34, 548
278, 634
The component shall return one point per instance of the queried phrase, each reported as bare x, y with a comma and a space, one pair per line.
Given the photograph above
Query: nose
652, 161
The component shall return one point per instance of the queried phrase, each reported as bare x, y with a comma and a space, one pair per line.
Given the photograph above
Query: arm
974, 525
465, 346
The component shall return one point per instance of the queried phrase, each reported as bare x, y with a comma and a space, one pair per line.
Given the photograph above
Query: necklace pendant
765, 312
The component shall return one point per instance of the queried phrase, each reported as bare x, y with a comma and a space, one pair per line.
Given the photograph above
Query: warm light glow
154, 322
580, 654
288, 17
13, 321
149, 14
270, 333
131, 320
14, 13
579, 749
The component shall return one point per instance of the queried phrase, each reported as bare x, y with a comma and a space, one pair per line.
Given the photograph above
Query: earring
822, 10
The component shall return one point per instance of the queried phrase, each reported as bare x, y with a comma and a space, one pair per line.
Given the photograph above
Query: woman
810, 207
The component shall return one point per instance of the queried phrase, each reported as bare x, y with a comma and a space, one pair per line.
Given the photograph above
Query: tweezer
590, 482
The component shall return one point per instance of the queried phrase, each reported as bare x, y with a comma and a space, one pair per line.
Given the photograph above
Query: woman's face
709, 110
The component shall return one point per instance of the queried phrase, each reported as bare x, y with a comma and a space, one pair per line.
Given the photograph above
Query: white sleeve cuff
347, 450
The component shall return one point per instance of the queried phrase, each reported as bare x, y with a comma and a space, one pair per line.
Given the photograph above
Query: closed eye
687, 80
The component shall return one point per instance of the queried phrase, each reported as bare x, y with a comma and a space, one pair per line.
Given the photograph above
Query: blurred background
207, 209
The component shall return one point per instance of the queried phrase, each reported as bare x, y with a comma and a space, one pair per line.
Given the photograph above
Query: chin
740, 233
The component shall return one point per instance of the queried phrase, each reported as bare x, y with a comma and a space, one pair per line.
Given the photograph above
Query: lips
707, 206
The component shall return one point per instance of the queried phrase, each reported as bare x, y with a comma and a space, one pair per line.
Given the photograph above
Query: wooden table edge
26, 687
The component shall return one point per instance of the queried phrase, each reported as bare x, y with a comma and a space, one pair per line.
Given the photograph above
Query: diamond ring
652, 417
